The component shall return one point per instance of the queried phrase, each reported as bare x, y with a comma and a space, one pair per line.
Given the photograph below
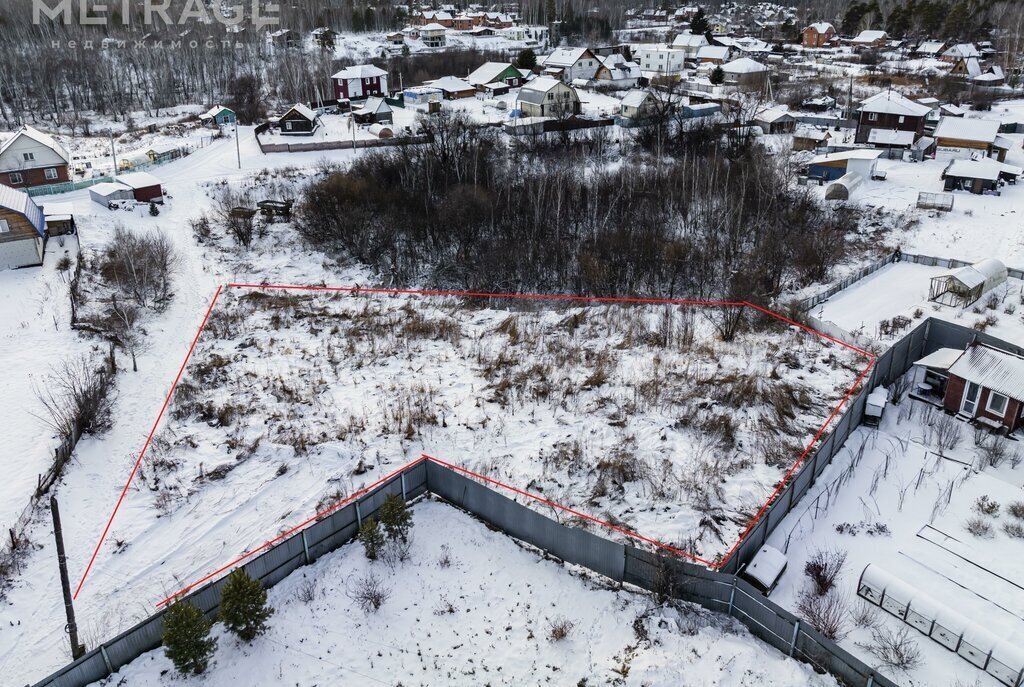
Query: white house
569, 64
434, 35
689, 43
547, 97
661, 59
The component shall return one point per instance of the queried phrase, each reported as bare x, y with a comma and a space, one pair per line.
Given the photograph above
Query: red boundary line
469, 294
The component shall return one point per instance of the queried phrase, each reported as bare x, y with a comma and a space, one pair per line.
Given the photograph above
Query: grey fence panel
277, 562
86, 670
570, 544
128, 646
331, 532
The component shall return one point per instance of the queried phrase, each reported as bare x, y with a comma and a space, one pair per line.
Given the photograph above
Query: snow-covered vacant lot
472, 607
638, 414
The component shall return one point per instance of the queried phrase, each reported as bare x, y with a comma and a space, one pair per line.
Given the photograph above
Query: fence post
404, 498
871, 680
106, 660
732, 594
359, 515
305, 547
792, 642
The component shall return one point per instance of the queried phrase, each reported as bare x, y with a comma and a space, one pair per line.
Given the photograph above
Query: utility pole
77, 650
238, 146
113, 152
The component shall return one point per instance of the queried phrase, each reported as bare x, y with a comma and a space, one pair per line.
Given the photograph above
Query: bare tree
76, 394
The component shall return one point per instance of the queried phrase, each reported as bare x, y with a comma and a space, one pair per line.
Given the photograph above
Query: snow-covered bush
979, 528
369, 592
823, 569
895, 649
828, 613
560, 628
371, 537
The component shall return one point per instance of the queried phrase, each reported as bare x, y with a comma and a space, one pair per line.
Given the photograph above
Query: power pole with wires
77, 650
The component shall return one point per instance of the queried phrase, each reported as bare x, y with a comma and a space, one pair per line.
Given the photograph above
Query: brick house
32, 158
817, 34
982, 384
360, 81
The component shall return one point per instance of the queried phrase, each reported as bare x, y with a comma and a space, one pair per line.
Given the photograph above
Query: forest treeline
472, 211
44, 80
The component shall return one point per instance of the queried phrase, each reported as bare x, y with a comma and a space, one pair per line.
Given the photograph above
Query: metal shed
108, 193
968, 284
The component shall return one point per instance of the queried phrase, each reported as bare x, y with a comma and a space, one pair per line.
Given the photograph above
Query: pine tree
395, 518
717, 75
527, 59
187, 640
243, 606
372, 538
153, 210
699, 24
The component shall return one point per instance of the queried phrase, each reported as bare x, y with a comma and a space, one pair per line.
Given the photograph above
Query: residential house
638, 105
745, 74
991, 76
547, 97
690, 43
870, 39
462, 22
810, 138
983, 384
22, 230
434, 35
960, 137
892, 111
374, 111
217, 115
713, 54
442, 18
661, 59
616, 70
775, 121
495, 72
284, 38
360, 81
978, 176
453, 88
932, 49
569, 64
817, 34
961, 51
821, 103
32, 158
324, 37
298, 121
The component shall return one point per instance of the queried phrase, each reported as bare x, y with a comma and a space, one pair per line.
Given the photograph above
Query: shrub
153, 210
1016, 509
186, 639
243, 606
372, 538
560, 628
865, 614
824, 568
395, 518
894, 649
1014, 529
369, 593
979, 528
986, 506
827, 614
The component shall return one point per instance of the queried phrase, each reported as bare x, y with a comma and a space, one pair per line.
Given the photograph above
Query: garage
145, 187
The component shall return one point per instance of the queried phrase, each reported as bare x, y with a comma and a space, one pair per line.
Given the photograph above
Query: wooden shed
22, 230
145, 187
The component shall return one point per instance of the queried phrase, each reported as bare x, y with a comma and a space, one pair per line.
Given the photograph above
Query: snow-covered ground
901, 289
473, 607
924, 501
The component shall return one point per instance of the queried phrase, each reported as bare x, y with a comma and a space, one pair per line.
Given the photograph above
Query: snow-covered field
473, 607
905, 508
635, 414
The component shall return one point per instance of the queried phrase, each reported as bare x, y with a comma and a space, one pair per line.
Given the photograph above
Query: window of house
902, 119
288, 126
997, 403
29, 156
4, 226
51, 173
872, 116
551, 96
16, 178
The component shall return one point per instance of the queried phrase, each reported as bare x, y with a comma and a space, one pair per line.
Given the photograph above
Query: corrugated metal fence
719, 590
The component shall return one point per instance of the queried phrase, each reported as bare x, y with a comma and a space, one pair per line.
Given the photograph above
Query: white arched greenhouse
968, 284
1000, 658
